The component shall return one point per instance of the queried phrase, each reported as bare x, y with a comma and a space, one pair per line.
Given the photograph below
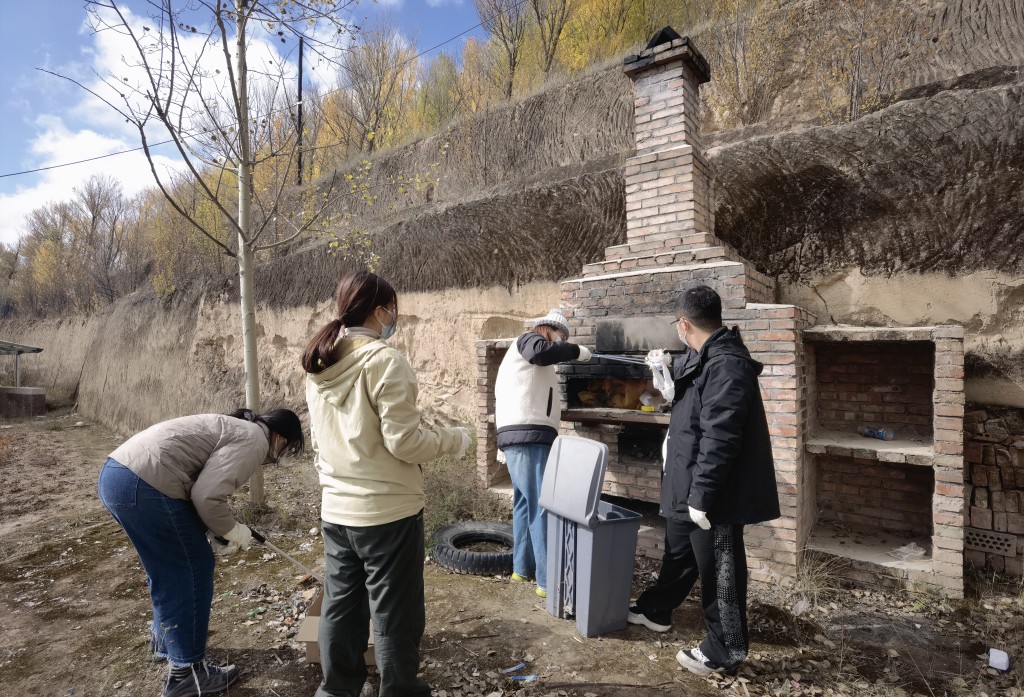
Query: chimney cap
664, 47
665, 36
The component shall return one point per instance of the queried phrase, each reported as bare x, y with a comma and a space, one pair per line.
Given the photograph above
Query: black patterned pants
718, 558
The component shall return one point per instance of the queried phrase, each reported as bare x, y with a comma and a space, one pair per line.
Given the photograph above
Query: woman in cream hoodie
370, 446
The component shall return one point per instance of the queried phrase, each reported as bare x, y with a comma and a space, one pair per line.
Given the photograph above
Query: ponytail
319, 353
358, 295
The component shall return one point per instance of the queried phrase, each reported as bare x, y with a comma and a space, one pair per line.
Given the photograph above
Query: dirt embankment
140, 362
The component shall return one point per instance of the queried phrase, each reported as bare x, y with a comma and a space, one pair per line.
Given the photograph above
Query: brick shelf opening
876, 384
868, 508
869, 496
911, 451
867, 547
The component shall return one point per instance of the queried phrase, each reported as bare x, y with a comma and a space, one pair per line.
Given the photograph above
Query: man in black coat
719, 476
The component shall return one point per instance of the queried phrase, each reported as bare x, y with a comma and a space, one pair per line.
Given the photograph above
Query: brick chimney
668, 184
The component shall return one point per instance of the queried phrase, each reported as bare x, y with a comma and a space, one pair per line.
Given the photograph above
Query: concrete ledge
845, 333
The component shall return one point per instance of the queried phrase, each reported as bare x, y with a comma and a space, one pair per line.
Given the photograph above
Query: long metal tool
270, 545
620, 359
274, 548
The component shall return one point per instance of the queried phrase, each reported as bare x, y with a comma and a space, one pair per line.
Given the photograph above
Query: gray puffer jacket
202, 458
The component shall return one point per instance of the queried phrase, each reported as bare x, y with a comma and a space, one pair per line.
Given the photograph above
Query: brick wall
994, 491
871, 496
876, 384
774, 335
489, 354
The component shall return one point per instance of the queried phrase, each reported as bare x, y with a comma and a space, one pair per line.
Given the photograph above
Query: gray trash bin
591, 543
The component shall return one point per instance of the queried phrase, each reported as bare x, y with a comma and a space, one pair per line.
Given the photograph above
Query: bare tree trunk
245, 255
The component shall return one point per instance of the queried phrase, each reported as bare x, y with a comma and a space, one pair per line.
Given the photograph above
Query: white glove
220, 548
241, 535
700, 518
660, 363
658, 357
585, 354
466, 441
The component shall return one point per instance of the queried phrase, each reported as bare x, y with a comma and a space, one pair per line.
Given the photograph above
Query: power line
272, 113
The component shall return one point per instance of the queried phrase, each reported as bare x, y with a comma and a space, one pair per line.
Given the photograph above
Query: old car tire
449, 552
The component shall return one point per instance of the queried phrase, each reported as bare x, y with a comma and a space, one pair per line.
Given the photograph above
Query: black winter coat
719, 457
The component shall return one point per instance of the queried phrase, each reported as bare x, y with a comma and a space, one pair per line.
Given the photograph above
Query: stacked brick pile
994, 454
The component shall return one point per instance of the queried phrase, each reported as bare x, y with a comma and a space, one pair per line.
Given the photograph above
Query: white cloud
86, 127
439, 3
56, 144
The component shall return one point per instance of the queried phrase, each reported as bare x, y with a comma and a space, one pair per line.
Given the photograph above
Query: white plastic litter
1000, 660
908, 552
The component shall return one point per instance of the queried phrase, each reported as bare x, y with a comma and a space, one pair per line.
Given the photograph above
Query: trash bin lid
573, 478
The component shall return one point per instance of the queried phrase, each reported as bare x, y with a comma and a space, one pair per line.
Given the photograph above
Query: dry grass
819, 579
454, 494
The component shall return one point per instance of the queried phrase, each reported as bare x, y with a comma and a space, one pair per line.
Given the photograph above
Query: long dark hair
283, 422
357, 296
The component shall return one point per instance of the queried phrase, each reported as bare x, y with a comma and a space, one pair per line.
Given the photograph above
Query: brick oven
841, 494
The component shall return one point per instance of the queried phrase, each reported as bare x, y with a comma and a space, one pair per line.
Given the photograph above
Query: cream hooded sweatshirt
367, 435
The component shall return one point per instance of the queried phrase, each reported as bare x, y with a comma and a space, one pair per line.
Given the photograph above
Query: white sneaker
695, 662
637, 617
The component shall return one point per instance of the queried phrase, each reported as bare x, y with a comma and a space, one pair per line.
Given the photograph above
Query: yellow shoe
516, 578
541, 592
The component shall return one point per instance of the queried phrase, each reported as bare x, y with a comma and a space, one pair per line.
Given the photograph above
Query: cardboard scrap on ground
309, 631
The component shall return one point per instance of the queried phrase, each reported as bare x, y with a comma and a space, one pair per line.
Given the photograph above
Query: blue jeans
170, 540
529, 523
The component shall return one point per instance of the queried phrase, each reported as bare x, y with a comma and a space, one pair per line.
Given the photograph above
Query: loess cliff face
911, 215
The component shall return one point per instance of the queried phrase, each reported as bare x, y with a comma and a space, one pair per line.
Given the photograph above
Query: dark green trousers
373, 571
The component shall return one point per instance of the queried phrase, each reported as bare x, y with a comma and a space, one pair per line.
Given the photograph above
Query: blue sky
48, 121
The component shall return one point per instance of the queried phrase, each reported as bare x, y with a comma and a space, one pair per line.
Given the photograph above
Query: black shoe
203, 679
637, 617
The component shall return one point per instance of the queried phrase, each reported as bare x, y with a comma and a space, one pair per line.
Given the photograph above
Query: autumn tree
860, 53
551, 16
377, 78
749, 46
505, 20
475, 86
439, 98
103, 224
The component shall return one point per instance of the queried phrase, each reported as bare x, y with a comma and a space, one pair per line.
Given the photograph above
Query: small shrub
819, 578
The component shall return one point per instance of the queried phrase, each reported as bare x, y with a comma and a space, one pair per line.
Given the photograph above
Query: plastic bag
908, 552
660, 362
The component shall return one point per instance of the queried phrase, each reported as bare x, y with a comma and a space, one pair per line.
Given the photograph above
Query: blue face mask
388, 330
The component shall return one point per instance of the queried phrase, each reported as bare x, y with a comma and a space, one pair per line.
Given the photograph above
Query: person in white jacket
168, 487
370, 446
527, 412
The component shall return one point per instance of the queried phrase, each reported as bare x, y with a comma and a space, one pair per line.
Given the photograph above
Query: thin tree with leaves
192, 72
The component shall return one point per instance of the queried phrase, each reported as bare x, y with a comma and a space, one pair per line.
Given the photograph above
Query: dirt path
75, 611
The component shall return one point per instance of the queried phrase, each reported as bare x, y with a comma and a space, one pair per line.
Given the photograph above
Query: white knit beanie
554, 318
